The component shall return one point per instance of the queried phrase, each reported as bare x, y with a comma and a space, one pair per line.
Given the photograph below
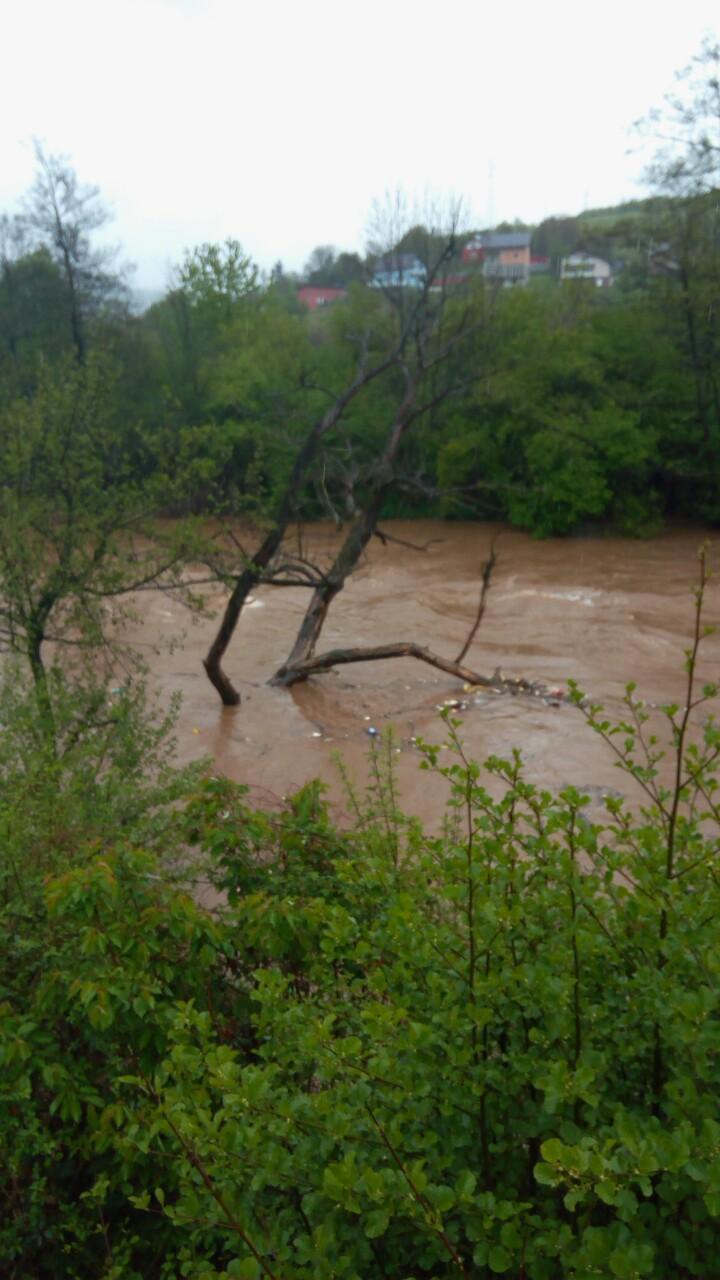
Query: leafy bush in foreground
494, 1051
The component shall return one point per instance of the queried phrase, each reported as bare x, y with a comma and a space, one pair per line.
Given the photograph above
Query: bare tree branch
295, 673
402, 542
486, 577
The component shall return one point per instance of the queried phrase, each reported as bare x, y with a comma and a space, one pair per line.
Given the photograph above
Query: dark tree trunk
696, 360
76, 323
359, 534
43, 699
248, 579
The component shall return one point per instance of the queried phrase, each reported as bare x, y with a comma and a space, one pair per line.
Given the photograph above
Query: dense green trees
583, 397
32, 299
573, 409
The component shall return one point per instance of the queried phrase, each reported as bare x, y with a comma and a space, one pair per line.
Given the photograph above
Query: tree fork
253, 573
350, 552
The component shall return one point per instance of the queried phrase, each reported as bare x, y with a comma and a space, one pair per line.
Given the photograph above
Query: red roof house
314, 297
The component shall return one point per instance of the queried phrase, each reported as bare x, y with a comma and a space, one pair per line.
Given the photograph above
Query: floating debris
373, 731
317, 733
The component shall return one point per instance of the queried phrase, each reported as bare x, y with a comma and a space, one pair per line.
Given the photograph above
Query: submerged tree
439, 356
285, 504
407, 350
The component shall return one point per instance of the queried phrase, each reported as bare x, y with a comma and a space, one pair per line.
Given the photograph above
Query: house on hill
398, 271
504, 255
662, 260
314, 297
583, 266
473, 253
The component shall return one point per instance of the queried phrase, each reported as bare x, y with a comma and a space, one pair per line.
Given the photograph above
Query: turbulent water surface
599, 611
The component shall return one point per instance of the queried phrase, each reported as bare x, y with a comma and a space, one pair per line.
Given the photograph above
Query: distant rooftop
505, 239
315, 296
399, 262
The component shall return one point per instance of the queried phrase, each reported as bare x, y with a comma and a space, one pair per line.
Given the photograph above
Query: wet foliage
385, 1052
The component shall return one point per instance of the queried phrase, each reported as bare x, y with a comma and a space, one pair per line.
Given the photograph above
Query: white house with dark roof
583, 266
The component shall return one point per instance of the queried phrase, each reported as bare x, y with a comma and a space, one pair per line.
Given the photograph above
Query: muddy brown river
600, 611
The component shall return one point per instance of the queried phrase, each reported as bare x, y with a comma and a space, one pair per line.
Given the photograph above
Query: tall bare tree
63, 214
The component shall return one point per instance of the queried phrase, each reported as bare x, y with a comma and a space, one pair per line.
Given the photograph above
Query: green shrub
390, 1054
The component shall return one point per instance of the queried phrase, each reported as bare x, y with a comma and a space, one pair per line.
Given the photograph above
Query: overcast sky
278, 121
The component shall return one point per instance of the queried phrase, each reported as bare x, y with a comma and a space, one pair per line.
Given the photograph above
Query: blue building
398, 271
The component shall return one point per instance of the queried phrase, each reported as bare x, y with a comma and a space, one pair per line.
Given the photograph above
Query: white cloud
278, 122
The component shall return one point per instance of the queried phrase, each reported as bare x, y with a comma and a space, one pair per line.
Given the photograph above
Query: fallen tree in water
294, 674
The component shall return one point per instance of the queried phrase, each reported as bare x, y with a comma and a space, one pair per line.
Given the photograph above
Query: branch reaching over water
294, 673
486, 578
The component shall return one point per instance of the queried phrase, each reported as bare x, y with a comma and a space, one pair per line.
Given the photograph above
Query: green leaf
499, 1259
247, 1269
546, 1175
631, 1260
552, 1150
465, 1185
441, 1197
606, 1191
376, 1223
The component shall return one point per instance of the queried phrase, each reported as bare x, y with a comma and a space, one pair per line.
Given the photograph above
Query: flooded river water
599, 611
